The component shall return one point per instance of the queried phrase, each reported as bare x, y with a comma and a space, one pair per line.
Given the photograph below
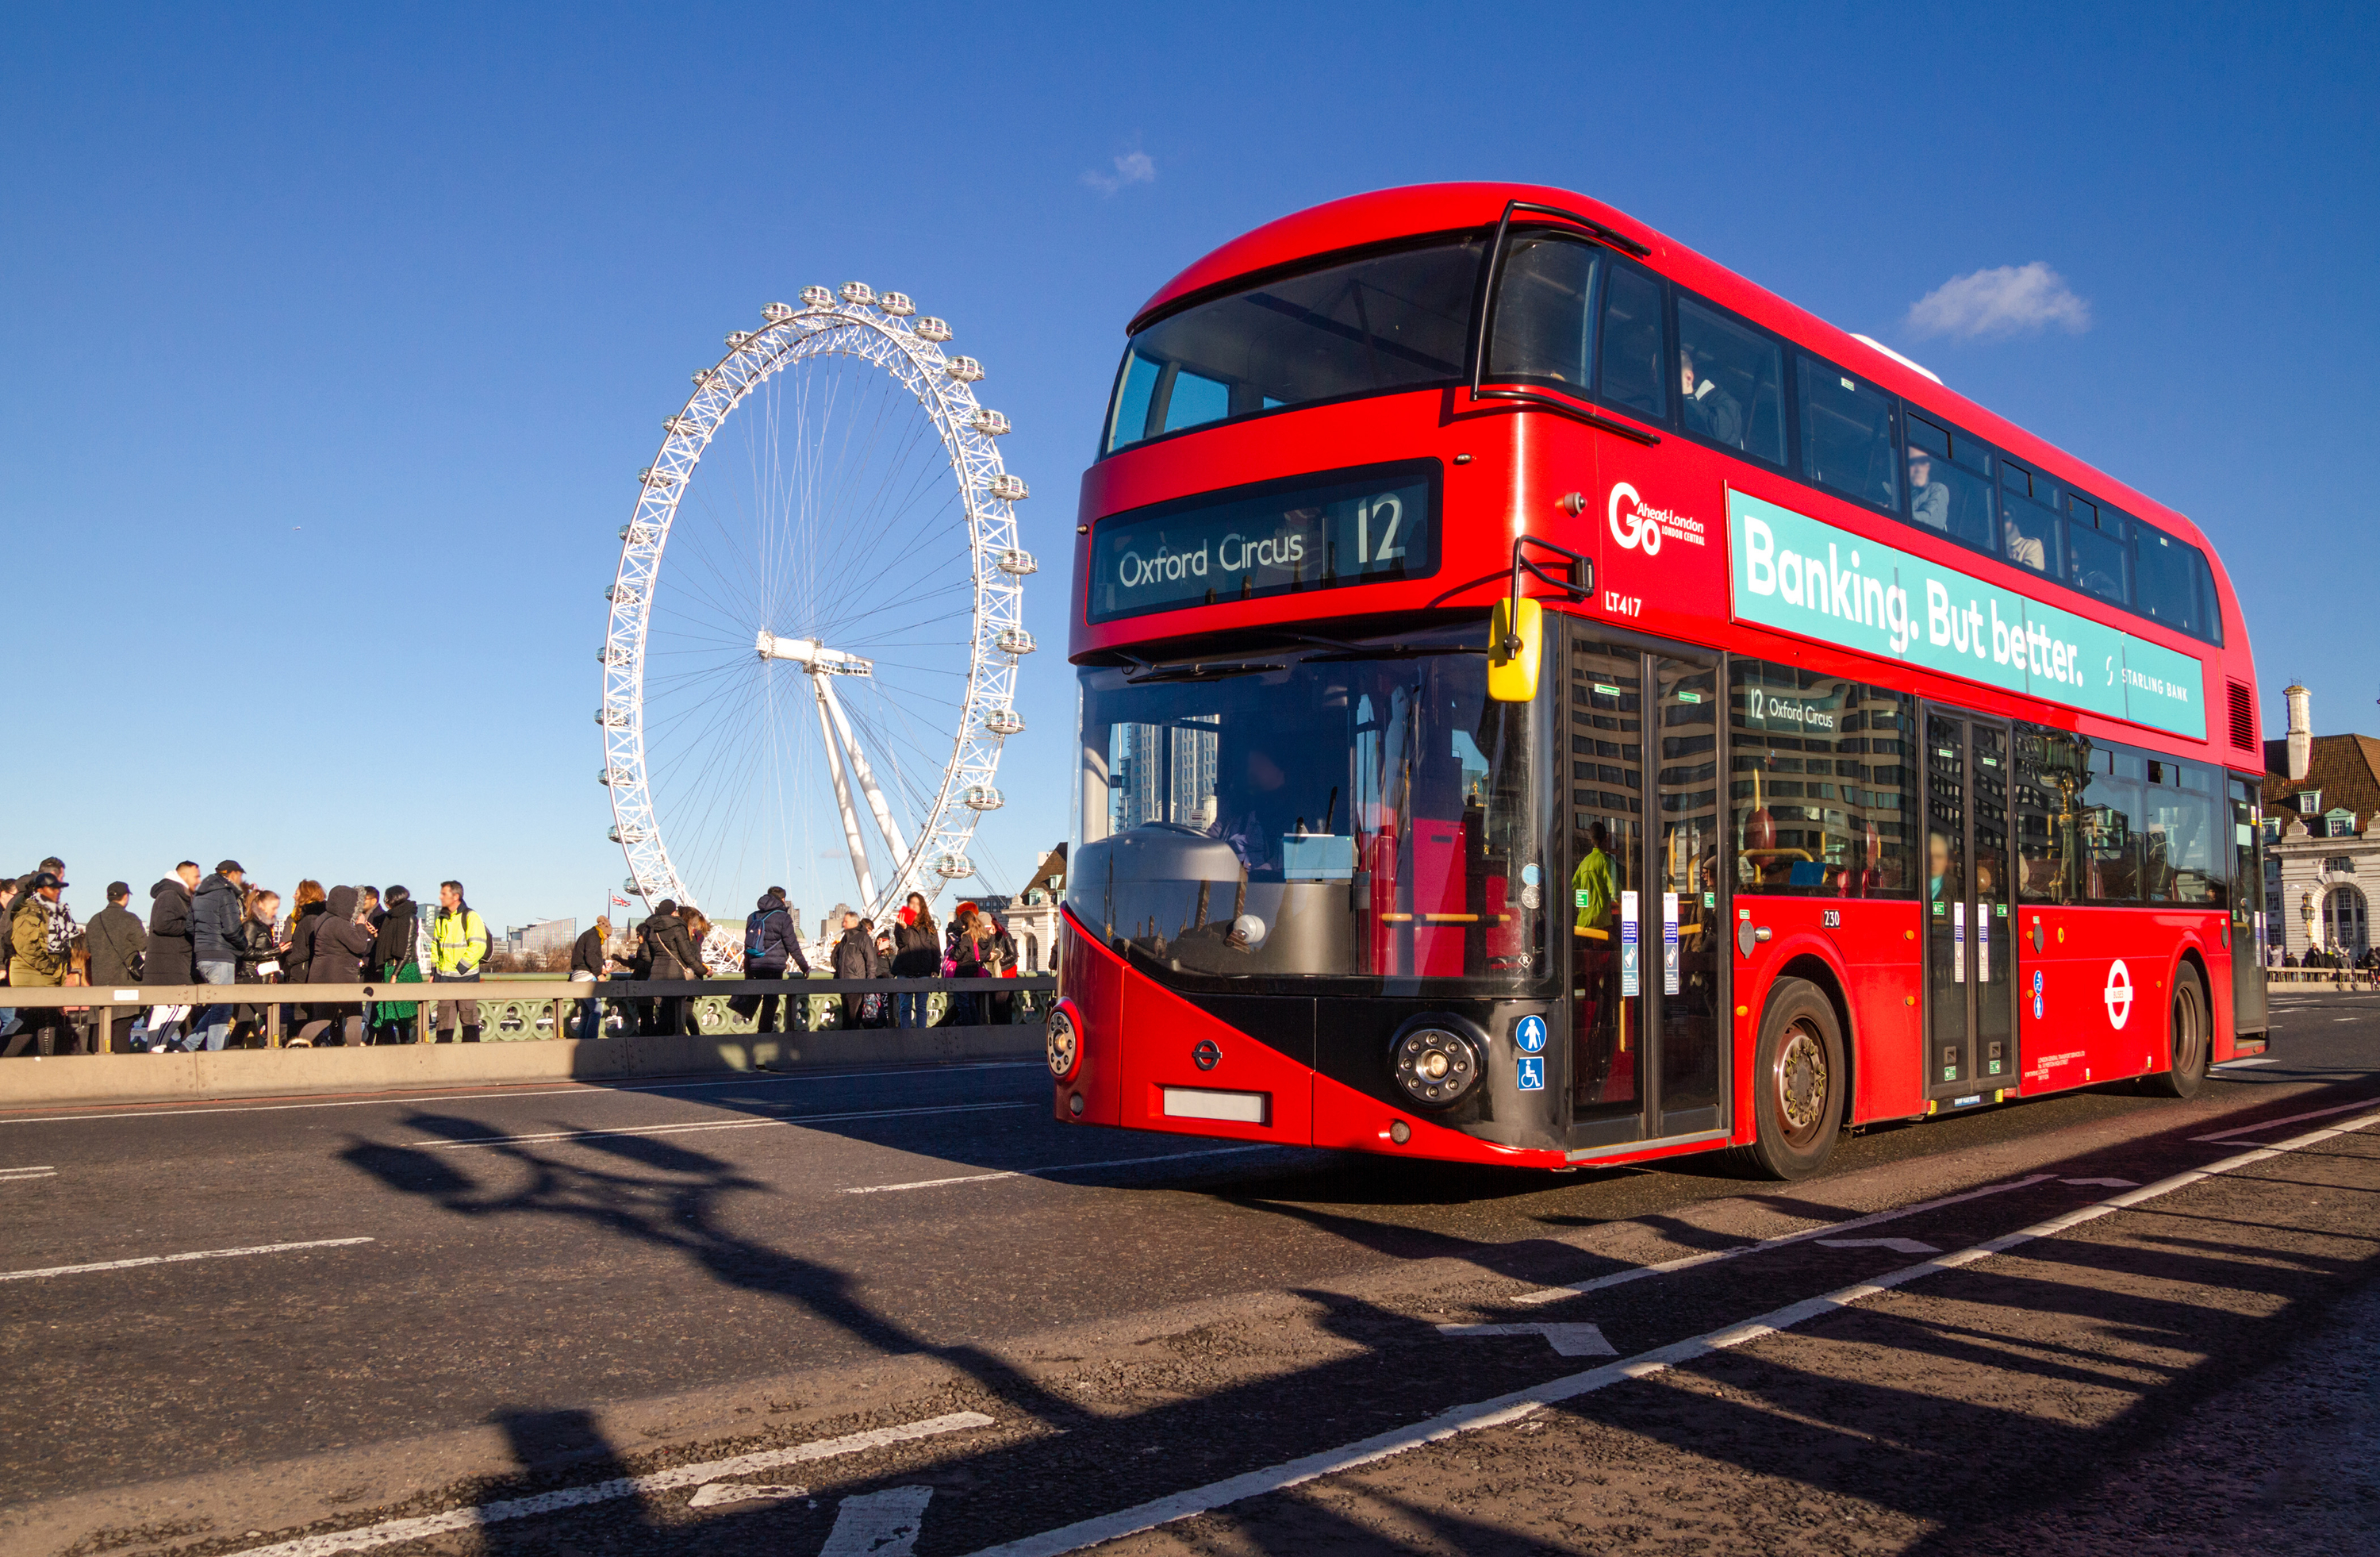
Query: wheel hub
1801, 1078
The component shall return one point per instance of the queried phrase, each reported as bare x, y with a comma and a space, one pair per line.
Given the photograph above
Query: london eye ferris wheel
813, 692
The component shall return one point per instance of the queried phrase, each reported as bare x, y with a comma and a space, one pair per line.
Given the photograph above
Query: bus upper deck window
1847, 435
1544, 323
1732, 382
2030, 531
1632, 374
2165, 581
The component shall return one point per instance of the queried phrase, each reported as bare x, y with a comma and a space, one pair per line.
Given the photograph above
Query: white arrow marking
2104, 1183
1898, 1245
1570, 1340
717, 1492
879, 1523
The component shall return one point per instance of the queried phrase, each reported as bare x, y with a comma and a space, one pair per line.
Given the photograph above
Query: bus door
2247, 937
1970, 947
1645, 969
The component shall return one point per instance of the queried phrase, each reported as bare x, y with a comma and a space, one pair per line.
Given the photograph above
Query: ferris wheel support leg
842, 791
867, 777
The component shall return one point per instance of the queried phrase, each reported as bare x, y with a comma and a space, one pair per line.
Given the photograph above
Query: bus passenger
2026, 551
1940, 881
1929, 500
1710, 410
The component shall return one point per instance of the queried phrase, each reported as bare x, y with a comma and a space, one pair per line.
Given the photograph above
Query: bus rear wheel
2192, 1040
1797, 1084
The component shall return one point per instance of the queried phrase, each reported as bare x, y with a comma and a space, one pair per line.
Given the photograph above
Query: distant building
2321, 796
539, 939
1032, 914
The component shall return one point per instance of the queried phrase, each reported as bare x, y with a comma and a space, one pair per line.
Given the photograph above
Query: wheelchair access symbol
1531, 1073
1529, 1037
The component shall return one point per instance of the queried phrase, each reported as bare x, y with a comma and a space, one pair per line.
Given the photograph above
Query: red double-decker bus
1546, 701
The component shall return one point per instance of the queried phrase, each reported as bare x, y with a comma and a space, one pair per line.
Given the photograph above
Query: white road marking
1054, 1168
1570, 1340
722, 1125
42, 1172
2251, 1060
1556, 1294
1898, 1245
397, 1530
497, 1093
711, 1494
2277, 1124
879, 1523
1521, 1402
177, 1259
2104, 1183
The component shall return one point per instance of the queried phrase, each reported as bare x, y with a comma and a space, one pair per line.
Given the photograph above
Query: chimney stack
2301, 733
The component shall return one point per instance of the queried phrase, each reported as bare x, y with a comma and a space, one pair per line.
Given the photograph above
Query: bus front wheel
2192, 1040
1798, 1083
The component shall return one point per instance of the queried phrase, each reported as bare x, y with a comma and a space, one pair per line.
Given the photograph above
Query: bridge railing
512, 1008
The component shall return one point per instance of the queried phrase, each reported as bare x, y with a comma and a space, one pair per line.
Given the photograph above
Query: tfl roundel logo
1629, 527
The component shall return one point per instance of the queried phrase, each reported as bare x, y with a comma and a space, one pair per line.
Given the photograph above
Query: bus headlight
1435, 1064
1064, 1044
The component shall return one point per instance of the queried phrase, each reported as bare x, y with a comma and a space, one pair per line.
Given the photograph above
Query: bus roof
1385, 215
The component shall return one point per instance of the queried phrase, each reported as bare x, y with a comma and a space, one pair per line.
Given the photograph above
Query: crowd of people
218, 928
211, 927
2365, 961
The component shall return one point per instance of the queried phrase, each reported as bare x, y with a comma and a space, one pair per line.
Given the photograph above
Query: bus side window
1847, 435
2166, 575
1632, 375
1732, 382
1543, 322
2029, 526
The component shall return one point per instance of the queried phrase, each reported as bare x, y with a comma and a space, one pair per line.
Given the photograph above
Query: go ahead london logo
1640, 527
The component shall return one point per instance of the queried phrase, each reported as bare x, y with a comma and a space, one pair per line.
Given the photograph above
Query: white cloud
2007, 300
1132, 168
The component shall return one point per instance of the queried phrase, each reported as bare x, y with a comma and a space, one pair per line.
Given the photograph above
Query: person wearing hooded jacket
168, 960
769, 945
215, 947
393, 953
342, 941
673, 960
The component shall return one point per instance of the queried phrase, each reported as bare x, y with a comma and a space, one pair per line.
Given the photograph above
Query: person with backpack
768, 944
458, 946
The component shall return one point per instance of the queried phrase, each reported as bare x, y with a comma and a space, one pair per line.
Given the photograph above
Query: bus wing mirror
1516, 641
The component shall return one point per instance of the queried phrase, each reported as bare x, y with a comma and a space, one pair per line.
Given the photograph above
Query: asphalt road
947, 1323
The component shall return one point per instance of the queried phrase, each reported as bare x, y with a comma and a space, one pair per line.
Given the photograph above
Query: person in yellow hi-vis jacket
458, 946
1595, 891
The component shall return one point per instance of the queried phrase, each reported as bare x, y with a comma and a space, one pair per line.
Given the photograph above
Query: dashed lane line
385, 1100
177, 1259
1054, 1168
1522, 1403
2291, 1119
2242, 1065
1826, 1230
397, 1530
43, 1171
724, 1125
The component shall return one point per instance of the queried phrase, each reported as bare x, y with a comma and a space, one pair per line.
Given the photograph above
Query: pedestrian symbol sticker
1530, 1036
1533, 1072
2036, 1005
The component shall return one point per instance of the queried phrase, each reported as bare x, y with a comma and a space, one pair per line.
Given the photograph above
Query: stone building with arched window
2322, 857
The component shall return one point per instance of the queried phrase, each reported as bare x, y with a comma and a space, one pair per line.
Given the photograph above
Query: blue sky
332, 338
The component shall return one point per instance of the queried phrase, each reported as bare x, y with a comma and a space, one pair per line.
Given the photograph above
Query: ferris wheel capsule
932, 329
654, 476
1014, 640
1016, 561
954, 867
621, 594
682, 424
777, 313
1008, 488
1003, 722
991, 423
982, 798
966, 369
735, 339
611, 717
818, 297
858, 292
897, 304
625, 836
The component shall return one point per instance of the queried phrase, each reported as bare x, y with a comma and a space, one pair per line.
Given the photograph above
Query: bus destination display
1315, 533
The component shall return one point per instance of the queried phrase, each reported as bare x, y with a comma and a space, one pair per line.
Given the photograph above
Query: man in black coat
769, 945
854, 957
216, 947
590, 963
117, 941
169, 960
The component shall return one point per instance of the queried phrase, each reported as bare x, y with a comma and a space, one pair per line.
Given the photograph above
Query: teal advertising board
1792, 572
